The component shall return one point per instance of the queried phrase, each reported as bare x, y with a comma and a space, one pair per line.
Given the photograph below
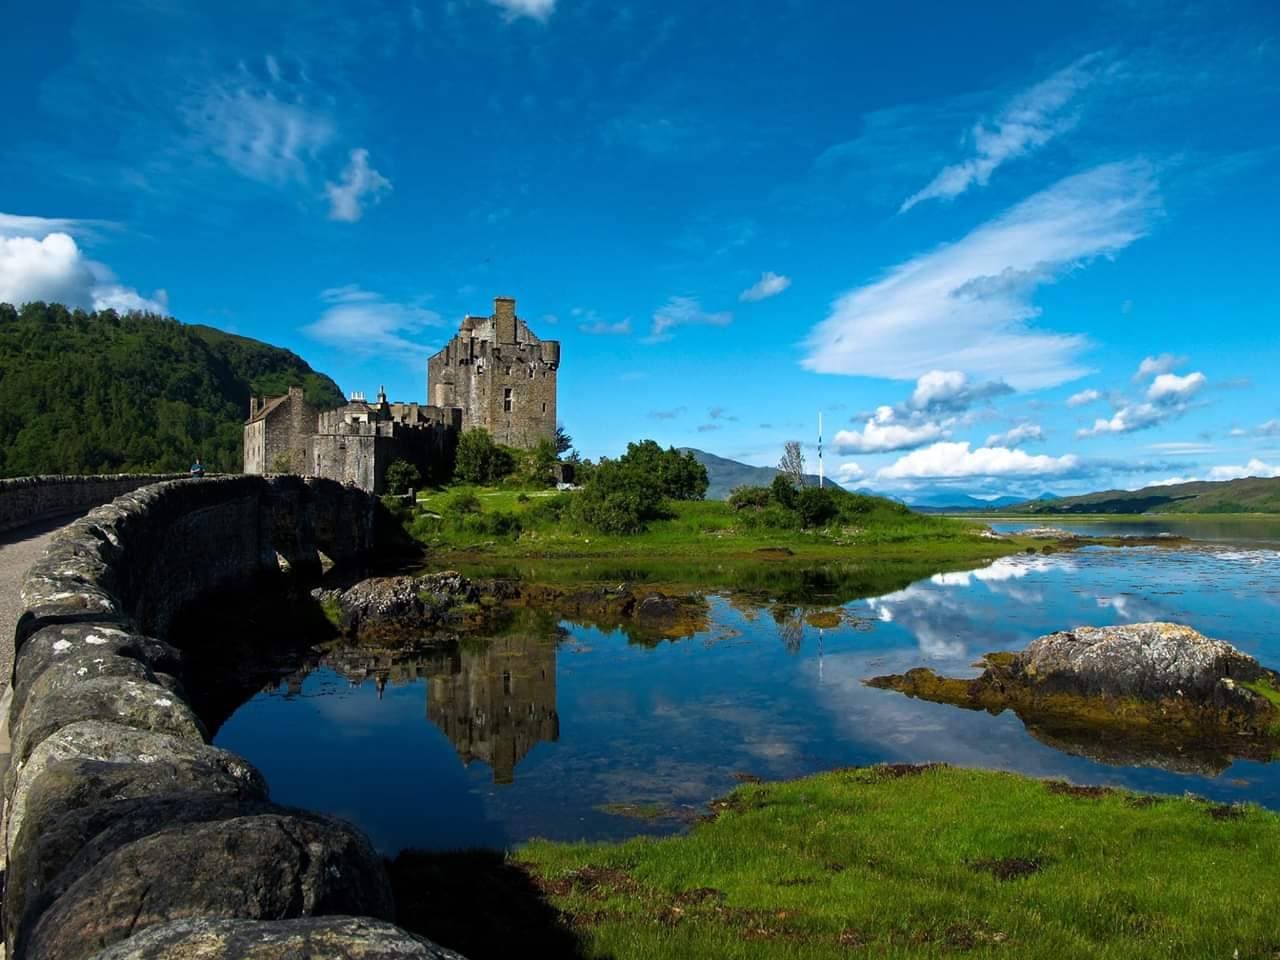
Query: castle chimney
504, 316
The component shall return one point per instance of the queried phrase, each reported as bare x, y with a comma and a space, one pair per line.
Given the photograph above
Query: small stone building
494, 374
500, 375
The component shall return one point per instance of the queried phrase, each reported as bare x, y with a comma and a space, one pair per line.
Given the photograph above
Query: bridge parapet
126, 833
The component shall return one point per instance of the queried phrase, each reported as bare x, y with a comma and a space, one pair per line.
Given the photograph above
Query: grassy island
895, 862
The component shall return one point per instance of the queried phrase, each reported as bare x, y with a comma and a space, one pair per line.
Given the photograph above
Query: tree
480, 460
564, 442
618, 499
678, 476
539, 463
792, 463
402, 476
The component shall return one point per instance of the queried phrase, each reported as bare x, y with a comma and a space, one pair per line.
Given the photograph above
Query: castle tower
500, 376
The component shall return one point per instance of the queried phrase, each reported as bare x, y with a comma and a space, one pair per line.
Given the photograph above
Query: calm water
531, 733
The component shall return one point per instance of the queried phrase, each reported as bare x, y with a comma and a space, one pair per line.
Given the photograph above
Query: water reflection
536, 731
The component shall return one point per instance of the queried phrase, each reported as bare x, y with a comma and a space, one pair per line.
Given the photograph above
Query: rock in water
1166, 690
1145, 660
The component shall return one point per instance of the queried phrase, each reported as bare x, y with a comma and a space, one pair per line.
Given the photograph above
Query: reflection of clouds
1132, 609
1005, 569
931, 616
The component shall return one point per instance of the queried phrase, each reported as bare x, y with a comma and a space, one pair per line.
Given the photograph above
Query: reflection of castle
500, 703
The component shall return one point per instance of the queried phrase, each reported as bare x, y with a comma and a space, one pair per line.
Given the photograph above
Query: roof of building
271, 405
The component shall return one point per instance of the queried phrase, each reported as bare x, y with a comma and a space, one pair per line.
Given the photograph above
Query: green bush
816, 506
749, 498
619, 499
783, 491
461, 502
402, 476
537, 466
548, 511
675, 475
479, 460
500, 523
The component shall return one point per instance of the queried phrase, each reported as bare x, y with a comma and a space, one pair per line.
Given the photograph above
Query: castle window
506, 399
506, 683
544, 408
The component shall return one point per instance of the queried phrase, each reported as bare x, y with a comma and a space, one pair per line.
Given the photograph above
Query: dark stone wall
126, 833
28, 500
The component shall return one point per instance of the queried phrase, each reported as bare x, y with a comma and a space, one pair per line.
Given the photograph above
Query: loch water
570, 732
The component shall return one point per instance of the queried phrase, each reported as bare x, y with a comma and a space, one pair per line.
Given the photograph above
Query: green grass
943, 863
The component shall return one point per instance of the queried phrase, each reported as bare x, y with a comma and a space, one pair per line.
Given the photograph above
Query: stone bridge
128, 836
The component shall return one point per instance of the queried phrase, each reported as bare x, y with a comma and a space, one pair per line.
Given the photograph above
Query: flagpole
821, 475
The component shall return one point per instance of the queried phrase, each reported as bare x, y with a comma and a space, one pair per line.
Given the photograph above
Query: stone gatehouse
494, 374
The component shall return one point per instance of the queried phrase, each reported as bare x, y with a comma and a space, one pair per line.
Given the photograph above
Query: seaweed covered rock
1170, 691
420, 603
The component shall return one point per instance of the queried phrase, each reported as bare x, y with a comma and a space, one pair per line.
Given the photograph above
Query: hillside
1250, 495
725, 474
104, 393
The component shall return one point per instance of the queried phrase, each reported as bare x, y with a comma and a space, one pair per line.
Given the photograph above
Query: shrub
619, 499
749, 498
460, 502
402, 476
816, 506
479, 460
676, 475
548, 511
500, 523
538, 464
783, 491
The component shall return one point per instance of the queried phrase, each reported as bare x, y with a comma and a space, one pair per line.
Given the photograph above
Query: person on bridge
197, 468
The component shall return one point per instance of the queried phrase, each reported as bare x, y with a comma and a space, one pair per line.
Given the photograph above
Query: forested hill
1250, 495
104, 393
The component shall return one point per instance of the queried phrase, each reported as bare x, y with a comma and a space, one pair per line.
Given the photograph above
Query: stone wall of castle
501, 376
276, 434
28, 500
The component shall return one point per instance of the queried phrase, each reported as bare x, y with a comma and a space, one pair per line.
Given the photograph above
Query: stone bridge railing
128, 836
27, 500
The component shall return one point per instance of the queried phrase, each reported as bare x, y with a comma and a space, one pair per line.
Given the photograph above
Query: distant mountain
948, 500
1250, 495
99, 392
725, 474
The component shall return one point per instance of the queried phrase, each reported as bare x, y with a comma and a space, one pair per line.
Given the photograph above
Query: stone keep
500, 375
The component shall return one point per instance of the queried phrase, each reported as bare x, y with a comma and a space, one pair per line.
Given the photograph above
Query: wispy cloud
592, 324
683, 312
769, 285
1029, 121
951, 390
363, 322
260, 135
970, 301
667, 414
40, 259
360, 184
1019, 433
533, 9
1154, 366
1083, 398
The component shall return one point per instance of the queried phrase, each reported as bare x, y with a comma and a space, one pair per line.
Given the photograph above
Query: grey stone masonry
127, 834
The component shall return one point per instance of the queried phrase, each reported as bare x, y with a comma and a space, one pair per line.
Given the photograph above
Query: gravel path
19, 549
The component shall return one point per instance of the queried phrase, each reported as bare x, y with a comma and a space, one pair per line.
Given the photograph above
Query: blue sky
1003, 247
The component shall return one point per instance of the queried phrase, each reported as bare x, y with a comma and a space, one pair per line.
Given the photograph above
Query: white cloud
360, 184
885, 433
38, 263
1152, 366
365, 322
967, 304
1181, 448
533, 9
945, 459
1083, 398
951, 390
1269, 429
1020, 433
683, 312
848, 472
769, 285
1169, 387
1030, 120
1167, 398
602, 328
1254, 468
259, 135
